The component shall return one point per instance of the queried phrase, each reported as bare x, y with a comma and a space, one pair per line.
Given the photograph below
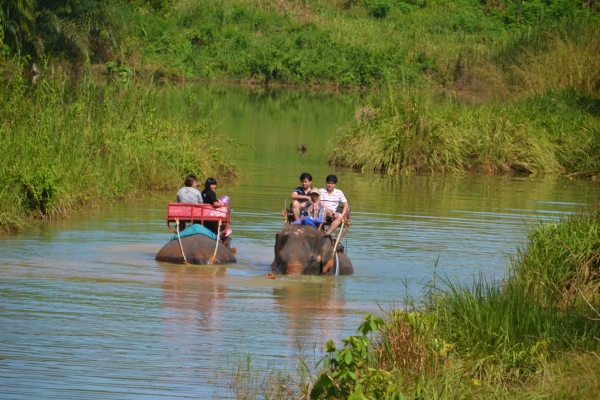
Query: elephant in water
303, 250
198, 249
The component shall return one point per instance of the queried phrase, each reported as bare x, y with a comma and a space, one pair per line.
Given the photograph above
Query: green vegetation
63, 147
533, 335
502, 339
540, 57
464, 44
543, 115
554, 132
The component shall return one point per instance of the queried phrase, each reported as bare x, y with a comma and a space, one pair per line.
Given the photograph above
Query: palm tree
17, 18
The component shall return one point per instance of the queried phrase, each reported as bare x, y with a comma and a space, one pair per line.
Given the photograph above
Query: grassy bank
554, 132
466, 44
64, 147
533, 335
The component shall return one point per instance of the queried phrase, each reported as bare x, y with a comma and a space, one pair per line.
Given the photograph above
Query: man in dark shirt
301, 194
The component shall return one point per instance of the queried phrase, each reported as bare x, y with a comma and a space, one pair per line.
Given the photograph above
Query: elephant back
198, 249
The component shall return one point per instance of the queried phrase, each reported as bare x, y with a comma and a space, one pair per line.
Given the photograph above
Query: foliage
65, 146
551, 133
561, 262
346, 373
379, 9
464, 44
69, 29
501, 339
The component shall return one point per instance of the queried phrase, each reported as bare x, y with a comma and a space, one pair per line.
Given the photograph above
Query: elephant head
303, 250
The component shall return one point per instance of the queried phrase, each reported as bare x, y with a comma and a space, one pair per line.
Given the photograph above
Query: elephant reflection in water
314, 309
194, 304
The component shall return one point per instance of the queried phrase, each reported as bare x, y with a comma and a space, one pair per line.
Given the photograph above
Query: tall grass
557, 132
561, 264
514, 338
65, 146
457, 44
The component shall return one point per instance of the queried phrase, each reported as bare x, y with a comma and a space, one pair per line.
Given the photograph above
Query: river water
86, 311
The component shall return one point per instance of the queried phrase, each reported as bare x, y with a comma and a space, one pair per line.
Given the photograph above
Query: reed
557, 132
521, 337
64, 147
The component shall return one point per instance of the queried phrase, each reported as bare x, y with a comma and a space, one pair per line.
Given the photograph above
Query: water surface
86, 311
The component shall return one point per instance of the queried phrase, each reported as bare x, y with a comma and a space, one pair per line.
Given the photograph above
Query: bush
379, 9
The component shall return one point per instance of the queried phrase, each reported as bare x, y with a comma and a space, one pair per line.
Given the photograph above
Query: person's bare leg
334, 224
296, 208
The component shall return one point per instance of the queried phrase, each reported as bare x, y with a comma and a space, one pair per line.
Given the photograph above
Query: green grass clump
522, 337
474, 45
63, 147
561, 264
557, 132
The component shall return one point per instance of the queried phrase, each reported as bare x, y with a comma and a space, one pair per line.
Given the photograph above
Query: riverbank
556, 132
462, 45
66, 146
534, 334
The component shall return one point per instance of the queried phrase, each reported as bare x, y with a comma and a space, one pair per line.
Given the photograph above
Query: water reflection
314, 308
197, 294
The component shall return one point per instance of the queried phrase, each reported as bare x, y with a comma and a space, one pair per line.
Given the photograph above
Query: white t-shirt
331, 200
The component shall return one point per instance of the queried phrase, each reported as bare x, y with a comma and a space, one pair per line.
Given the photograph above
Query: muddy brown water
86, 311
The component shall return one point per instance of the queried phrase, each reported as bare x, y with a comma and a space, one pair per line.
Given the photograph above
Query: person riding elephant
303, 250
198, 248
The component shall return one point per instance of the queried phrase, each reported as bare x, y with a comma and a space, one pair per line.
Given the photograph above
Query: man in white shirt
331, 199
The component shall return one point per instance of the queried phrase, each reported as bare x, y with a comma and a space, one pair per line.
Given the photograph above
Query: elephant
303, 250
198, 249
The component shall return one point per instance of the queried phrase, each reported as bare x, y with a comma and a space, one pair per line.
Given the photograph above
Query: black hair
305, 175
189, 180
209, 181
331, 178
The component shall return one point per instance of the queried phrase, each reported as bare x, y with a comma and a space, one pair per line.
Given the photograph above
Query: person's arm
297, 196
345, 205
345, 210
212, 200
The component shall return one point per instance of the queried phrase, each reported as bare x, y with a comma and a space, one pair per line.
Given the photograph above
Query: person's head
190, 180
314, 195
211, 183
306, 180
330, 181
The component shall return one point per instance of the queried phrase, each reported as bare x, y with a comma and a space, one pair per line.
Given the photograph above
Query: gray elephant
198, 249
303, 250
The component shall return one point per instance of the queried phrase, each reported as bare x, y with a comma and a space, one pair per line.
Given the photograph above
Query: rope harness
217, 244
185, 261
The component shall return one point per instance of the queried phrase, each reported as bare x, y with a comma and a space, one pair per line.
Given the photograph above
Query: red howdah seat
196, 212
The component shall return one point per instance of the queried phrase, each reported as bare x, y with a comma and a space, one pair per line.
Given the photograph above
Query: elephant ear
326, 254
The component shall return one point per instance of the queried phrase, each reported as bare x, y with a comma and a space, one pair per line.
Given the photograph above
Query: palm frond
76, 35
